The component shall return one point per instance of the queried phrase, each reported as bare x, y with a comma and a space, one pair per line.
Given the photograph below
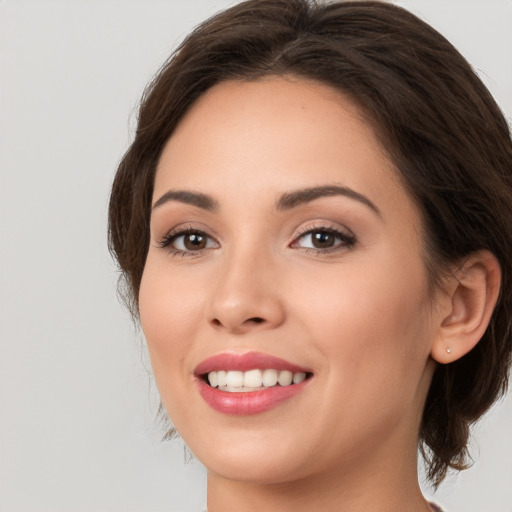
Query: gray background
76, 399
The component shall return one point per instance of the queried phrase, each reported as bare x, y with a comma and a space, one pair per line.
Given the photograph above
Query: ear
467, 308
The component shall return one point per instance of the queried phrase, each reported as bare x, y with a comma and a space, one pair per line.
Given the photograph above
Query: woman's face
283, 246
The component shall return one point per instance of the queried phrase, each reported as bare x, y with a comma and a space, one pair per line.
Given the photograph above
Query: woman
315, 225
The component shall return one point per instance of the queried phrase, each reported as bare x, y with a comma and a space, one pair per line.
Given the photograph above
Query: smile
250, 383
253, 380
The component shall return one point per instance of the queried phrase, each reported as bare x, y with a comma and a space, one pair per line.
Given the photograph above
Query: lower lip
252, 402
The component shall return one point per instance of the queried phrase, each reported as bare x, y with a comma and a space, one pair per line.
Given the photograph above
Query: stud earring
449, 350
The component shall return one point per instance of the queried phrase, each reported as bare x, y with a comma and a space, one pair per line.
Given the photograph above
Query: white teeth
298, 377
212, 379
253, 380
239, 390
270, 378
285, 378
221, 378
234, 379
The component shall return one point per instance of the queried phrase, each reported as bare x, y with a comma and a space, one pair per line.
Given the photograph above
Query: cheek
169, 315
373, 334
371, 318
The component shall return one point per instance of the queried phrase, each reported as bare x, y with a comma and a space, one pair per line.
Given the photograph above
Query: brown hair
441, 127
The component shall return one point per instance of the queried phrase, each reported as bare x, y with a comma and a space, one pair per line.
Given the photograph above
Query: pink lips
253, 402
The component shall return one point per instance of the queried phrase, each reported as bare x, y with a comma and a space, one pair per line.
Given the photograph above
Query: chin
251, 457
259, 471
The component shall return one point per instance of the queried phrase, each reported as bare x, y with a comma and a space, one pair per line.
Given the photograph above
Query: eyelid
323, 225
165, 241
347, 237
185, 227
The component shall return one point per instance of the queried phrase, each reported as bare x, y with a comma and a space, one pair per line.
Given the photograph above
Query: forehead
277, 133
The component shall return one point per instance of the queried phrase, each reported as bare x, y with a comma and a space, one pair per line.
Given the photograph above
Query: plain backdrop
77, 404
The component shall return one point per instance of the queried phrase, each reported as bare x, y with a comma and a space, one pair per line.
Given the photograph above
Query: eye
188, 241
324, 239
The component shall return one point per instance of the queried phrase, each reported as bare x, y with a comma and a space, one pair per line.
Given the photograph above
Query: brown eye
194, 241
323, 239
188, 241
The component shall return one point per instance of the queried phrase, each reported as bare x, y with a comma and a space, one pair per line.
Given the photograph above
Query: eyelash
170, 238
346, 240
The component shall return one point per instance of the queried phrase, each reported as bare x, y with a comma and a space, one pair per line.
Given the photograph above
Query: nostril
235, 325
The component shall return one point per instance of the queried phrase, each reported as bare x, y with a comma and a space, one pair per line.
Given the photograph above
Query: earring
449, 350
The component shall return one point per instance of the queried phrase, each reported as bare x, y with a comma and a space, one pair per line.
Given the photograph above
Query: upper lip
246, 361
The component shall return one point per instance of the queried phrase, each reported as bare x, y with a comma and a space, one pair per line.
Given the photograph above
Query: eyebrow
185, 196
286, 201
298, 197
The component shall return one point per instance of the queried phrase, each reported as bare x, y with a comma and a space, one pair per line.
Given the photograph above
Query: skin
359, 316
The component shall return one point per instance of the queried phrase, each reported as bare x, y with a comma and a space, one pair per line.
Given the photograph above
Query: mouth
233, 381
249, 383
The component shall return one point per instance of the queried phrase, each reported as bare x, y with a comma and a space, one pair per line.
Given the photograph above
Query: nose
247, 296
